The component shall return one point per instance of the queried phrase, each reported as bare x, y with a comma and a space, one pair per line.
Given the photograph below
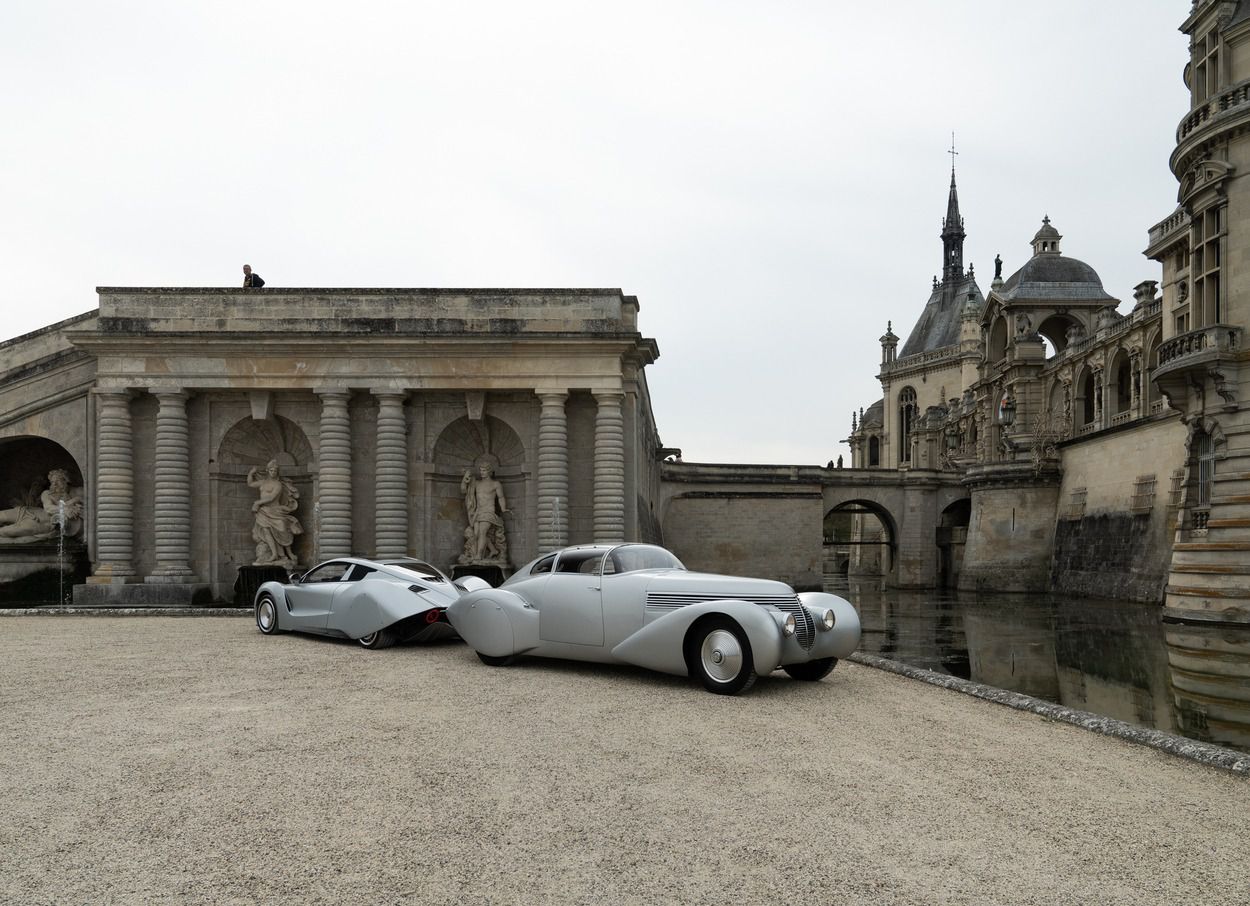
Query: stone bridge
769, 520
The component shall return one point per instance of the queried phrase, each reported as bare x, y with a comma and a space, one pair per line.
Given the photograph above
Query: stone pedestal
139, 594
251, 578
35, 574
495, 575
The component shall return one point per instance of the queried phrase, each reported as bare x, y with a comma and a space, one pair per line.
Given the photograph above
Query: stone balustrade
1215, 338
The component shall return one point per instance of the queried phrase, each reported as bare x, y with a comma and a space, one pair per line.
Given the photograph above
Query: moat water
1114, 658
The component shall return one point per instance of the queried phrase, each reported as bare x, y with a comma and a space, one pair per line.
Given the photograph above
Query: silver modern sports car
379, 603
637, 604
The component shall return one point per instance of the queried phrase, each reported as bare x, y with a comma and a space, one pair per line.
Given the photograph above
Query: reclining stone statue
28, 524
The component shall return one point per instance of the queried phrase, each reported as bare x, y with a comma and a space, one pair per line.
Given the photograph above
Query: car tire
383, 638
812, 671
267, 614
491, 660
719, 654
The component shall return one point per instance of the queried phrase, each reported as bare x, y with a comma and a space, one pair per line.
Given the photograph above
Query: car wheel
383, 638
720, 655
491, 660
812, 670
267, 614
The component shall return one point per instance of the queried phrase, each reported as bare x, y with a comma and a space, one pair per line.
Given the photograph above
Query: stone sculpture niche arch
461, 447
252, 443
24, 466
34, 566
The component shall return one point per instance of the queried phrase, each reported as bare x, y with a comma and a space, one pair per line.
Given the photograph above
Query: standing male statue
275, 528
485, 541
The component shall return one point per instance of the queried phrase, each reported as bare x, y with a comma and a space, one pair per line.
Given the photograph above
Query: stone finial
1145, 292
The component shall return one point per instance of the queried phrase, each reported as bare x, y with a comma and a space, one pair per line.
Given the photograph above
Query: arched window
906, 420
1087, 398
874, 451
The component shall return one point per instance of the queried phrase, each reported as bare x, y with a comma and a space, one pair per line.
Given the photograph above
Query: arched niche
996, 349
461, 447
248, 444
24, 466
35, 567
1056, 328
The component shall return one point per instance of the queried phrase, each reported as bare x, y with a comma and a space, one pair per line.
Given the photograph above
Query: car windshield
631, 557
417, 569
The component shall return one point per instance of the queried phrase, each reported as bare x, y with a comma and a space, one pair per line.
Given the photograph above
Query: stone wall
772, 535
1116, 519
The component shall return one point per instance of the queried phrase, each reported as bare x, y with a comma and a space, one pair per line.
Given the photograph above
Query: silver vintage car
637, 604
378, 603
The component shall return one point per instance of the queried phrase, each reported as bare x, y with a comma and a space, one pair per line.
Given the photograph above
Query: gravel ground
160, 759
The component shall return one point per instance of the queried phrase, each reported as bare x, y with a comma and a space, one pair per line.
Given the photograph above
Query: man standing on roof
250, 280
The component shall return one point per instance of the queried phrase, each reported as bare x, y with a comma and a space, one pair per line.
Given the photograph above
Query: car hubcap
266, 615
367, 640
722, 655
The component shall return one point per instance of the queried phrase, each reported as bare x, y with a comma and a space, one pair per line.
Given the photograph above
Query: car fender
495, 622
372, 606
843, 638
660, 644
276, 590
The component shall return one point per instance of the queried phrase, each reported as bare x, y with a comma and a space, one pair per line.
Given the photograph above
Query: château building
1104, 452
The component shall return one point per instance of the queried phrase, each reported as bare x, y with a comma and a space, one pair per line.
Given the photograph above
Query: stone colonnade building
372, 404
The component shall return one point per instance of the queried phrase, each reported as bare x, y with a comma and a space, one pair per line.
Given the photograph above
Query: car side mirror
295, 578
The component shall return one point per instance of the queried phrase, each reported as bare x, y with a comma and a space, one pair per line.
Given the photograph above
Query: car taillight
431, 616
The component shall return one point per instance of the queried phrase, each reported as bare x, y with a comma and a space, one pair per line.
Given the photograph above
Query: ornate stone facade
1069, 421
367, 406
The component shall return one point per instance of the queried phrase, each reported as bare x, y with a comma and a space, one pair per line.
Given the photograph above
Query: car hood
679, 581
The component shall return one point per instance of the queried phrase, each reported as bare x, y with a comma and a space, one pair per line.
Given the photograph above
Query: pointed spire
953, 230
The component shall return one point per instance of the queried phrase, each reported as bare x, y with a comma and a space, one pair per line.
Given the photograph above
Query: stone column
115, 489
609, 511
553, 472
172, 483
334, 477
391, 471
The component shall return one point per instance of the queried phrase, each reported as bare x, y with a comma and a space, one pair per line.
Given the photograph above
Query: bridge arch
860, 539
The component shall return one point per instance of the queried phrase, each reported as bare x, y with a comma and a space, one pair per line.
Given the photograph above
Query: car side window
584, 562
359, 572
327, 572
544, 565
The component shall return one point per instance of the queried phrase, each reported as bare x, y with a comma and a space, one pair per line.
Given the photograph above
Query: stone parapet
423, 312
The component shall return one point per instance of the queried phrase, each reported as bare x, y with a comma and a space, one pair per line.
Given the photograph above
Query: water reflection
1114, 658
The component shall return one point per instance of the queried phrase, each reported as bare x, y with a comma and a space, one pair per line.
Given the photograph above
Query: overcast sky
768, 178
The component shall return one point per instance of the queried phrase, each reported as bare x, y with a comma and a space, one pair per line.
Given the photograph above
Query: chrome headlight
789, 626
827, 619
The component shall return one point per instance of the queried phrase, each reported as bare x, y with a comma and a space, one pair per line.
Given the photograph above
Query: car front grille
659, 602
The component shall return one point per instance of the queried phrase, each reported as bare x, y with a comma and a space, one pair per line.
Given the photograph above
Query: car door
353, 606
571, 606
309, 602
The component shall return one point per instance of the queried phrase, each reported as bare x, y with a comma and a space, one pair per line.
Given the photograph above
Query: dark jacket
253, 280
